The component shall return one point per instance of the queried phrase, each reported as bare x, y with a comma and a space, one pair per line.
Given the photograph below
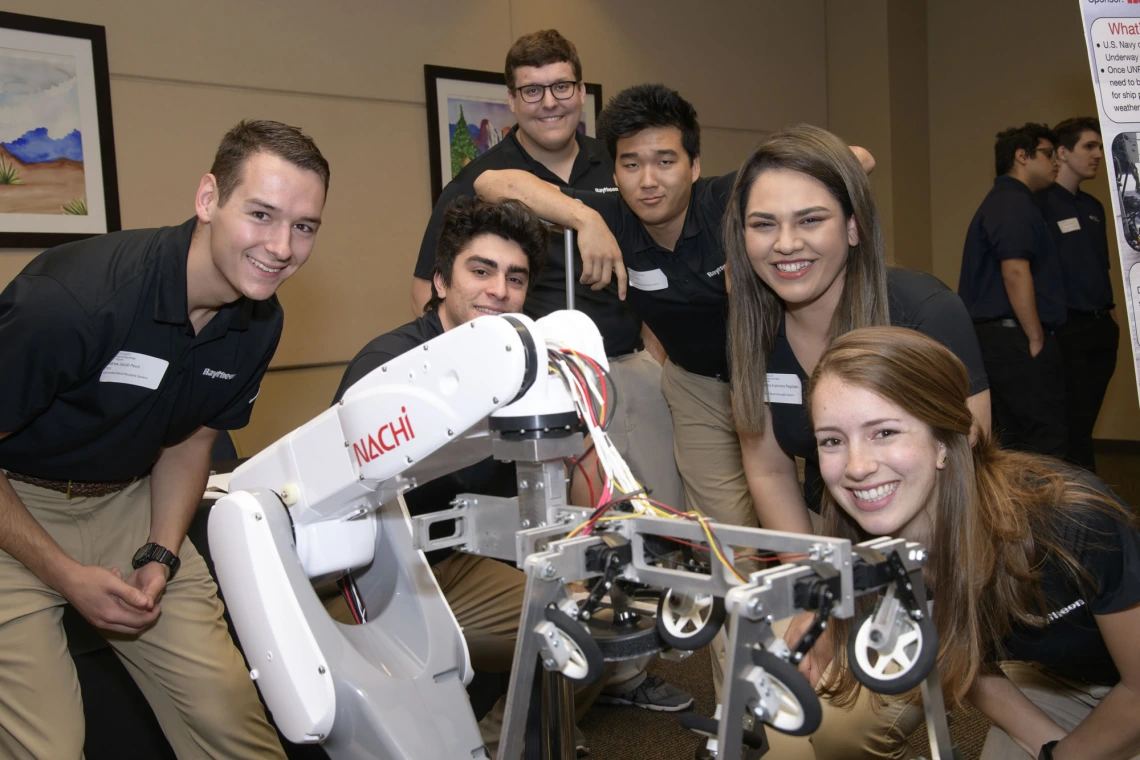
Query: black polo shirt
1080, 233
1108, 549
916, 300
593, 170
490, 476
1008, 225
680, 293
101, 365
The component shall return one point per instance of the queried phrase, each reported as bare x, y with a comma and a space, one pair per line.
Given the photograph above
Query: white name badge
135, 369
654, 279
1069, 225
784, 389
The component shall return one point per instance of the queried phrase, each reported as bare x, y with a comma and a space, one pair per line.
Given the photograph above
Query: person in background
1013, 286
1090, 336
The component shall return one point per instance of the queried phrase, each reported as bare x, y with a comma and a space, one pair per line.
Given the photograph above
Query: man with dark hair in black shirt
546, 95
489, 256
1013, 286
133, 349
1090, 336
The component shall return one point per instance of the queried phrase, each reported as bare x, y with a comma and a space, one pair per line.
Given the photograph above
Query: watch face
142, 554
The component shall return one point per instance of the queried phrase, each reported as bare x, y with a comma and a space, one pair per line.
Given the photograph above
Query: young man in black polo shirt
488, 257
124, 356
546, 96
1014, 288
1090, 336
666, 221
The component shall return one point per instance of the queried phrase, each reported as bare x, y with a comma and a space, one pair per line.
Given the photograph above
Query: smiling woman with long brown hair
807, 264
1033, 563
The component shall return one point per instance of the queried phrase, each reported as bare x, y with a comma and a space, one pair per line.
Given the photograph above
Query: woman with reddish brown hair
1034, 564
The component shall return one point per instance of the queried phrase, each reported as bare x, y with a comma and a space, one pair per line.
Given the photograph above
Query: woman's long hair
998, 514
754, 309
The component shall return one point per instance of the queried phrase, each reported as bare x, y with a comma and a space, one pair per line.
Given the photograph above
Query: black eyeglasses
1047, 151
532, 93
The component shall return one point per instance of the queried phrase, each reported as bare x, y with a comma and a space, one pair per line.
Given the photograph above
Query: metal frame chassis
539, 519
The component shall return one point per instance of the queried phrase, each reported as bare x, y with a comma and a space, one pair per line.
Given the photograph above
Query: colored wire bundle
591, 390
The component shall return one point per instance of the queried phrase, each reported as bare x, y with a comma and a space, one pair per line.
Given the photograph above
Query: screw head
549, 663
257, 516
548, 571
321, 669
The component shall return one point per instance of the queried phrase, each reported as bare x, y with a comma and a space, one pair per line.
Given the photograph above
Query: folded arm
601, 256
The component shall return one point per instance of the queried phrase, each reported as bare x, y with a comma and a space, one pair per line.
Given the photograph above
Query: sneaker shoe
580, 748
653, 694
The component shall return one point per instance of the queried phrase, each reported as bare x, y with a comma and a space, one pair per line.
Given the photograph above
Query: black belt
1008, 323
1096, 313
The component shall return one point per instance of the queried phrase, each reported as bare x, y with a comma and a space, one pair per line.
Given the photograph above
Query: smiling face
264, 231
880, 464
797, 236
490, 276
655, 175
549, 123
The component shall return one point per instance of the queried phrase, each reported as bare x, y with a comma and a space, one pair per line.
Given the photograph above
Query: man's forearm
24, 538
177, 483
1023, 298
545, 199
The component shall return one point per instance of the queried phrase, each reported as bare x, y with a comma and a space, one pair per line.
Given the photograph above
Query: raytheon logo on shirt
367, 449
217, 374
605, 189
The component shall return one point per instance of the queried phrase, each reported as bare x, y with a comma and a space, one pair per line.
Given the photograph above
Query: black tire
587, 647
706, 726
698, 636
918, 645
804, 713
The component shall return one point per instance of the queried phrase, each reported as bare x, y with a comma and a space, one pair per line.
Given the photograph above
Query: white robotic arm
421, 415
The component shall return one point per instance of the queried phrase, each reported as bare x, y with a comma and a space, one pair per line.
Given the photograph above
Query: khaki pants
707, 450
642, 427
864, 733
186, 665
486, 596
706, 446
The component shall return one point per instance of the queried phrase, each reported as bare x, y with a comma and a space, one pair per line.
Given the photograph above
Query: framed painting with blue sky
468, 114
57, 148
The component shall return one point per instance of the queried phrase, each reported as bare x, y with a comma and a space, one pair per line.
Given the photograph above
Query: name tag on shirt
1069, 225
784, 389
654, 279
135, 369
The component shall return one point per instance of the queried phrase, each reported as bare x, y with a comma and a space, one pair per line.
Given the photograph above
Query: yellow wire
716, 550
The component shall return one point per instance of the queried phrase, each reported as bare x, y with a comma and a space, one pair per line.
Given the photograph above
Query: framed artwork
468, 114
57, 148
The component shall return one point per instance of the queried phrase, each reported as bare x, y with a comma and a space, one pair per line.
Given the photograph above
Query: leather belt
74, 489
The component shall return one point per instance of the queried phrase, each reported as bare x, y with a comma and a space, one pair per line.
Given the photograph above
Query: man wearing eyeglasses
546, 95
1013, 286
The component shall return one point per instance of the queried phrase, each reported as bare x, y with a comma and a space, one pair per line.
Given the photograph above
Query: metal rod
569, 268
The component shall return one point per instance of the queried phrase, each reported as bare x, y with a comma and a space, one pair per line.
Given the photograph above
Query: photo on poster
1124, 162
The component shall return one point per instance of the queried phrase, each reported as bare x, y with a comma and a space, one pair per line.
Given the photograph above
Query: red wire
589, 485
348, 600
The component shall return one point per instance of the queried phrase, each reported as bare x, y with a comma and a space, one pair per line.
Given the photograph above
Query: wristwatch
153, 552
1046, 752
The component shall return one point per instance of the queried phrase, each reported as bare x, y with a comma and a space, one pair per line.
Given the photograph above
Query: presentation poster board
1112, 34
